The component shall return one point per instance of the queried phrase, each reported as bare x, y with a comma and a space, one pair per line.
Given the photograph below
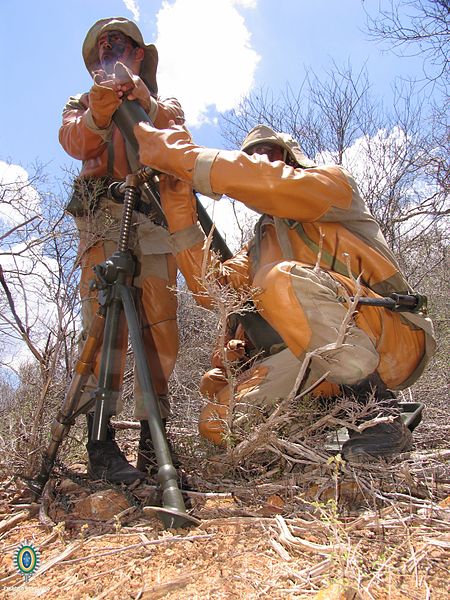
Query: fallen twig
286, 537
167, 540
46, 500
8, 524
161, 590
311, 573
282, 553
422, 553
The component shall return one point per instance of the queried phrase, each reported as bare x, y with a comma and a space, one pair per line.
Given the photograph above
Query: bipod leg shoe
146, 460
105, 459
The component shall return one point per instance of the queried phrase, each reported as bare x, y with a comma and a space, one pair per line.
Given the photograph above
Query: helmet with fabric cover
262, 134
130, 29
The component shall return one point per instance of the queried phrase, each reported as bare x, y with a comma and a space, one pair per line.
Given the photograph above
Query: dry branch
19, 324
161, 590
312, 573
286, 537
282, 553
8, 524
167, 540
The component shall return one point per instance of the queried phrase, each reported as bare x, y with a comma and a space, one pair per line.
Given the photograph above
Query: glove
168, 150
177, 202
234, 350
103, 103
130, 85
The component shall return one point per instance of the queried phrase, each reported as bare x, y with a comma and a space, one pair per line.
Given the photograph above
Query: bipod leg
103, 397
66, 414
174, 514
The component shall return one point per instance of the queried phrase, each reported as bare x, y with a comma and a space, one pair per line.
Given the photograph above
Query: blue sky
211, 53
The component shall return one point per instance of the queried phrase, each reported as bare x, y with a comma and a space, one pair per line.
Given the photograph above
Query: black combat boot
383, 440
106, 460
146, 460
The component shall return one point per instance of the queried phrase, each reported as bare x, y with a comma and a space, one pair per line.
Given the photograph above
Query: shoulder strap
331, 261
282, 230
110, 167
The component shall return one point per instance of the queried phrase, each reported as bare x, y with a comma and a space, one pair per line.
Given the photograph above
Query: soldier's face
272, 151
114, 46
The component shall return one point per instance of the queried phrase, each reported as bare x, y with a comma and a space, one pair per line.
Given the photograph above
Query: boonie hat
129, 28
262, 134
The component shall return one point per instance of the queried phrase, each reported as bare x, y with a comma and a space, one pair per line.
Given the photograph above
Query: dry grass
280, 516
381, 530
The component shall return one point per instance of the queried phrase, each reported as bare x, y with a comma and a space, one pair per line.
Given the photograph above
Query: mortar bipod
115, 297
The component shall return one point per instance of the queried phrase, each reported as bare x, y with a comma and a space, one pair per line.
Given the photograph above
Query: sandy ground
361, 533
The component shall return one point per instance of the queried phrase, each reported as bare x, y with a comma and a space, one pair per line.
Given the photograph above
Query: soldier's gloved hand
103, 102
178, 203
130, 85
234, 350
168, 150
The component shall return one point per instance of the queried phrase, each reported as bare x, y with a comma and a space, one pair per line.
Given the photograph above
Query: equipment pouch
86, 194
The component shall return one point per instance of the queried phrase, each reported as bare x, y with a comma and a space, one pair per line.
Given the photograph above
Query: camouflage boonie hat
262, 134
90, 51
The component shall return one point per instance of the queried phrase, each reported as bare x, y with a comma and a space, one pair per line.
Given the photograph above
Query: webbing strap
110, 163
331, 261
282, 231
282, 227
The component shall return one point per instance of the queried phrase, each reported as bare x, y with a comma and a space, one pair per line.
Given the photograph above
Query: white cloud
133, 7
206, 57
19, 200
30, 284
376, 157
379, 165
28, 272
245, 3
